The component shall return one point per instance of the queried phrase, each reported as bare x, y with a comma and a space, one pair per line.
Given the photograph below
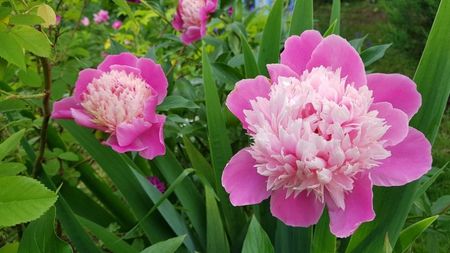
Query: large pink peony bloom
119, 98
191, 18
323, 133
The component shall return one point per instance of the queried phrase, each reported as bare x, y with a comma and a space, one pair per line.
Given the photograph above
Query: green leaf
387, 248
429, 181
257, 239
269, 49
199, 162
10, 248
176, 102
216, 238
40, 236
373, 54
433, 79
411, 233
11, 143
30, 78
4, 12
111, 241
12, 105
47, 14
250, 65
23, 199
11, 169
331, 29
323, 240
167, 246
226, 73
69, 156
358, 43
302, 17
32, 40
292, 239
441, 205
336, 15
11, 50
124, 6
26, 19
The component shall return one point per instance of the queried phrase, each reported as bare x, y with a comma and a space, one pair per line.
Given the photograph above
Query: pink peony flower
323, 133
230, 11
116, 25
157, 183
85, 21
101, 17
119, 98
191, 18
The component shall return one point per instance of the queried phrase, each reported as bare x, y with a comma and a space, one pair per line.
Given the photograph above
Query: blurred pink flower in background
58, 19
116, 24
101, 17
323, 134
85, 21
230, 11
157, 183
191, 18
120, 98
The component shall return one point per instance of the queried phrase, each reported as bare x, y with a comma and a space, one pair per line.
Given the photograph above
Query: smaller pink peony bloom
191, 18
157, 183
120, 98
85, 21
101, 17
58, 19
230, 11
323, 133
116, 25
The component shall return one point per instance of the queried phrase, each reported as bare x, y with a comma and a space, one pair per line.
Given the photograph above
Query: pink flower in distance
101, 17
119, 98
117, 24
323, 134
85, 21
157, 183
58, 19
191, 18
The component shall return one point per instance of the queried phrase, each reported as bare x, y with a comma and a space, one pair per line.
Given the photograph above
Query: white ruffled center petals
191, 12
114, 98
315, 134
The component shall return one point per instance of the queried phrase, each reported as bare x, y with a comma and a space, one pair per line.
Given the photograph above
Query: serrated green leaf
392, 205
11, 143
124, 6
216, 237
47, 13
69, 156
302, 17
11, 50
257, 239
32, 40
26, 19
167, 246
176, 102
323, 240
23, 199
269, 49
336, 16
40, 236
411, 233
11, 169
373, 54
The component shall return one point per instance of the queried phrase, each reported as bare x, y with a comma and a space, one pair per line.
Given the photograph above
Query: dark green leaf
257, 239
32, 40
11, 143
11, 169
250, 66
331, 29
429, 181
167, 246
199, 162
441, 205
373, 54
302, 17
323, 240
26, 19
292, 239
358, 43
176, 102
30, 78
4, 12
226, 73
216, 237
336, 16
411, 233
68, 156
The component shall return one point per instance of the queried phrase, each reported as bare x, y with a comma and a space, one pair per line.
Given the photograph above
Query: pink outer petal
128, 132
277, 70
154, 75
154, 139
120, 59
83, 119
84, 78
336, 52
396, 89
397, 121
114, 144
209, 8
192, 34
248, 89
177, 21
301, 211
409, 160
298, 49
358, 208
150, 109
241, 180
62, 108
127, 69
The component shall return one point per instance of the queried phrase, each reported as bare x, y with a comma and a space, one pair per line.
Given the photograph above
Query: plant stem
46, 114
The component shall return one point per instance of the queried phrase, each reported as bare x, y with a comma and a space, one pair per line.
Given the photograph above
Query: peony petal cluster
191, 18
120, 98
116, 25
101, 17
323, 133
85, 21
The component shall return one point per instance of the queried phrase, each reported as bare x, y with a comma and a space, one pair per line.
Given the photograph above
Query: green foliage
167, 246
323, 240
302, 17
409, 234
257, 240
